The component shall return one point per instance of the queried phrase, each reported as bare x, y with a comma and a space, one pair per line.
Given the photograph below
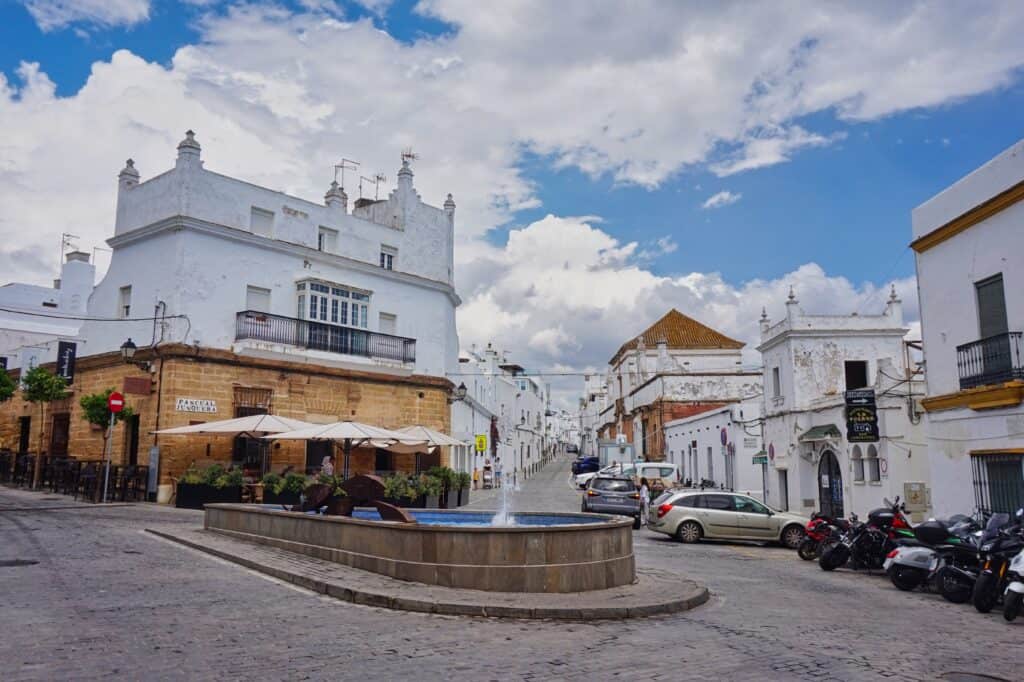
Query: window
858, 464
327, 240
749, 506
616, 485
874, 473
387, 257
333, 304
719, 502
388, 323
991, 307
257, 299
711, 464
124, 303
690, 502
856, 374
784, 490
998, 482
261, 222
776, 383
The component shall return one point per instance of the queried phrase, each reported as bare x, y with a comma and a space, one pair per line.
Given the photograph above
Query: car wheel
688, 532
792, 536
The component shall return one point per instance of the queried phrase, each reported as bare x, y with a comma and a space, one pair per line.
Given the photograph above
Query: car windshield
613, 485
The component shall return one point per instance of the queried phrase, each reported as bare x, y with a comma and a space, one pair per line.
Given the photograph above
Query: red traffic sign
115, 402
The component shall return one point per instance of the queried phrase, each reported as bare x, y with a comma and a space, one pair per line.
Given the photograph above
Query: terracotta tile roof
681, 332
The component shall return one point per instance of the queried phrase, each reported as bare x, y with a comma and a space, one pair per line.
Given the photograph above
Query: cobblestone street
104, 599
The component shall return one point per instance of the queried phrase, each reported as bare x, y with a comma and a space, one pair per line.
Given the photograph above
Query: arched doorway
830, 485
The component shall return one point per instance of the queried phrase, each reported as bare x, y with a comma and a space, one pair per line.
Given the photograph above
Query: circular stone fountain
539, 552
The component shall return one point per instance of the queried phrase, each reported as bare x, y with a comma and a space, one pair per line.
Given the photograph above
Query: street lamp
458, 394
128, 349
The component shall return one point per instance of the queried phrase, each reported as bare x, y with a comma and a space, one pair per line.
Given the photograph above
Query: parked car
582, 465
613, 495
690, 515
572, 448
611, 470
659, 475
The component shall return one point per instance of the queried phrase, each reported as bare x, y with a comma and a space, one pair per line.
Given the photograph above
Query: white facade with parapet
34, 319
969, 244
367, 289
809, 362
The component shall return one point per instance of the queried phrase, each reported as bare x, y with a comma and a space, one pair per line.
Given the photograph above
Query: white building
592, 405
717, 448
231, 265
506, 406
33, 319
969, 243
562, 429
809, 362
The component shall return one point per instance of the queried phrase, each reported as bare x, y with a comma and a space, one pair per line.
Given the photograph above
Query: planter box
449, 499
431, 502
405, 502
463, 497
195, 495
280, 498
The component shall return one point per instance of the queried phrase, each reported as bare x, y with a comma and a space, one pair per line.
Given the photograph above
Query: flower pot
463, 496
195, 495
449, 499
431, 501
284, 497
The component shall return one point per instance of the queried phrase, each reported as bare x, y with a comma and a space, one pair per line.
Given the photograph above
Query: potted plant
432, 488
464, 481
198, 487
284, 489
449, 497
399, 491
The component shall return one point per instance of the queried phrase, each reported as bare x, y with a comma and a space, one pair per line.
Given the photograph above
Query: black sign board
861, 416
66, 360
3, 362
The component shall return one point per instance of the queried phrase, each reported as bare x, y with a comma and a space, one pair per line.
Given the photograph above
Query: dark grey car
613, 495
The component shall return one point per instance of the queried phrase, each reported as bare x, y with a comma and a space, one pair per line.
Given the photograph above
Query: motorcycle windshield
997, 521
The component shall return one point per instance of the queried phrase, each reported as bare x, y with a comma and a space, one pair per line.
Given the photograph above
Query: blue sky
564, 111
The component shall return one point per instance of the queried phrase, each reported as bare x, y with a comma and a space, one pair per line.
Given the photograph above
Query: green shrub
192, 476
227, 479
396, 487
292, 483
212, 474
432, 486
464, 480
271, 482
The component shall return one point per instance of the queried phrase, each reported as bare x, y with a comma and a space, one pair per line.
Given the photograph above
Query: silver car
613, 495
690, 515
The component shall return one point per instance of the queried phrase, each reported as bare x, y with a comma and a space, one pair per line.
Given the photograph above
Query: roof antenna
409, 155
346, 164
65, 244
376, 180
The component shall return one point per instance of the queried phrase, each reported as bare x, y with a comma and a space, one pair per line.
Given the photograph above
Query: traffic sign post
115, 403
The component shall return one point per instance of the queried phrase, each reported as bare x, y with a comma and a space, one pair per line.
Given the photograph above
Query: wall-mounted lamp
458, 394
128, 349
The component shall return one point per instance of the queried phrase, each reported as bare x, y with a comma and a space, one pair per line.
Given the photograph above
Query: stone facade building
244, 300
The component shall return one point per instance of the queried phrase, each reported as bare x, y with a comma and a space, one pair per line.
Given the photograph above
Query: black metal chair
87, 480
69, 480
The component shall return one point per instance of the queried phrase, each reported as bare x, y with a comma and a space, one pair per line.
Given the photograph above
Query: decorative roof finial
764, 314
893, 297
792, 294
449, 203
129, 173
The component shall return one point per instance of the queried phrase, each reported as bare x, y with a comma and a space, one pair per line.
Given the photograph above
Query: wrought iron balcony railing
250, 324
992, 360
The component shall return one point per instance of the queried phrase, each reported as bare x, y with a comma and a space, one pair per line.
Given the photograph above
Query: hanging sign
195, 405
861, 416
481, 442
66, 360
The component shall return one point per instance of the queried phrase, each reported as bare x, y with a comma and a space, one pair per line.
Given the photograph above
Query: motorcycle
866, 545
918, 562
818, 532
994, 556
1014, 594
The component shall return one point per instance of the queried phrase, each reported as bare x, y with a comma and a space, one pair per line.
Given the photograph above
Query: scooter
995, 556
866, 545
1014, 595
916, 562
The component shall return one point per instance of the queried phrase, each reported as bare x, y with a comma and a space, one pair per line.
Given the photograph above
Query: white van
659, 475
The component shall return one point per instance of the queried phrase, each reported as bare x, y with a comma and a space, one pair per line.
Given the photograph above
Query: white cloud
639, 95
55, 14
723, 198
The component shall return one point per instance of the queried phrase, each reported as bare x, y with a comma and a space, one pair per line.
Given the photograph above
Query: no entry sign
115, 402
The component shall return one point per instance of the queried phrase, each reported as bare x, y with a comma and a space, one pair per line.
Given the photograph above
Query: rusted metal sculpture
360, 491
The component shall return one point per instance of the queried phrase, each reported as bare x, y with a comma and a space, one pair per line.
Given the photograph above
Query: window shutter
991, 307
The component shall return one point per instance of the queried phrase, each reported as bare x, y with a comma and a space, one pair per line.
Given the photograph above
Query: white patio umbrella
430, 435
256, 423
350, 434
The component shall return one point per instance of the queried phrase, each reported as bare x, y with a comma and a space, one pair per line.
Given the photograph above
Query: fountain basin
543, 553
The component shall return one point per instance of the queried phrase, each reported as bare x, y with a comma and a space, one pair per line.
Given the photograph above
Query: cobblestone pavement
106, 599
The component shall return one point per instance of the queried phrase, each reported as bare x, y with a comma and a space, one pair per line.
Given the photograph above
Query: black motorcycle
995, 555
866, 545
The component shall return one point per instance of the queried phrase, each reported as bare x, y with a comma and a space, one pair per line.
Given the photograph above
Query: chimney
77, 276
336, 198
128, 177
405, 177
792, 308
449, 208
188, 152
765, 322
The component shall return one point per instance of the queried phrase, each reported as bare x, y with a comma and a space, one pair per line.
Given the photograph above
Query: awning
815, 433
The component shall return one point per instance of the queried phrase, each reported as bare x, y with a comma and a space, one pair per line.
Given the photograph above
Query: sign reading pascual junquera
195, 405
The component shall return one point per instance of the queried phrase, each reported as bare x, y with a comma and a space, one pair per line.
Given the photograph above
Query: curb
356, 595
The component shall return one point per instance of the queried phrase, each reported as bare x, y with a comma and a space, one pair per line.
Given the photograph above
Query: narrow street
99, 593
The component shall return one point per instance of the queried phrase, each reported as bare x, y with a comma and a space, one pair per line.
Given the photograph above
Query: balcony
257, 326
993, 360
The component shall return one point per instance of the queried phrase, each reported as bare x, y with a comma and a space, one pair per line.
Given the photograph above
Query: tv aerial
409, 155
376, 180
346, 164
